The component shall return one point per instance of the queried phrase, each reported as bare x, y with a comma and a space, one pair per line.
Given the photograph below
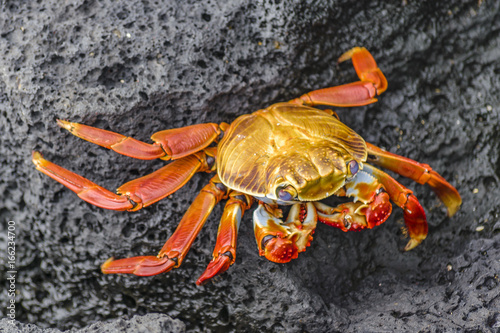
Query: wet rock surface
143, 66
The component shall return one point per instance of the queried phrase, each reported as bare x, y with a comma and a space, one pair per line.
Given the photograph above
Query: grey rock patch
150, 323
140, 67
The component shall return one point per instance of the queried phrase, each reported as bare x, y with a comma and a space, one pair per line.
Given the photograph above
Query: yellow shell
288, 144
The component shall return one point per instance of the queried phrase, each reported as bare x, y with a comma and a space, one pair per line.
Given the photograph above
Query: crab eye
287, 193
284, 195
352, 168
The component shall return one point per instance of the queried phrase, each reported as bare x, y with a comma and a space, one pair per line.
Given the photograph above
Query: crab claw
345, 216
217, 266
140, 266
371, 206
416, 222
379, 209
281, 242
278, 249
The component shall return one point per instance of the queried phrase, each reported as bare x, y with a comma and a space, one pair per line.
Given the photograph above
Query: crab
287, 154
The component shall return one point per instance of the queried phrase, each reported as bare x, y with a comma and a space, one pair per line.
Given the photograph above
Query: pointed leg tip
64, 124
35, 156
412, 243
348, 55
37, 159
202, 280
453, 209
106, 264
214, 268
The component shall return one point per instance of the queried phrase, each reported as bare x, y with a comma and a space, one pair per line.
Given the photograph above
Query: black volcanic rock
137, 67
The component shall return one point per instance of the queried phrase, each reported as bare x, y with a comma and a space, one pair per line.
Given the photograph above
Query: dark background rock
143, 66
149, 323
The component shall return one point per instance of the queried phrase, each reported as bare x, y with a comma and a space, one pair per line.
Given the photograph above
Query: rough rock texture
137, 67
150, 323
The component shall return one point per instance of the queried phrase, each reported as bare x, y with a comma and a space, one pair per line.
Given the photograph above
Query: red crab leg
372, 83
419, 172
224, 253
175, 249
169, 144
135, 194
373, 190
414, 214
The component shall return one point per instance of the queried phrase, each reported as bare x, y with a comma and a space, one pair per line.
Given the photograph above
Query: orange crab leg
414, 214
175, 249
169, 144
224, 253
419, 172
135, 194
372, 83
83, 187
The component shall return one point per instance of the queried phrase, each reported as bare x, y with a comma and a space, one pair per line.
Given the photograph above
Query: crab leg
224, 253
169, 144
419, 172
372, 190
372, 83
137, 193
281, 242
414, 214
175, 249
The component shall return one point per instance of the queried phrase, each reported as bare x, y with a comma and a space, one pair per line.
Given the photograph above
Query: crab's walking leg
419, 172
175, 249
281, 241
137, 193
372, 83
169, 144
414, 214
224, 253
